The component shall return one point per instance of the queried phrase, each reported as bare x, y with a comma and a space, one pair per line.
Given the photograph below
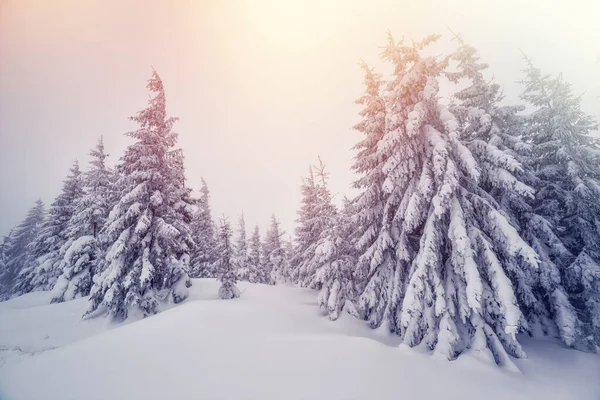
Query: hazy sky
261, 87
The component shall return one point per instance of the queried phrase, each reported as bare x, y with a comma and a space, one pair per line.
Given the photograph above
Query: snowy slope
272, 343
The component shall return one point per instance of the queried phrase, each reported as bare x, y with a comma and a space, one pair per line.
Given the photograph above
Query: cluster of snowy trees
131, 237
475, 220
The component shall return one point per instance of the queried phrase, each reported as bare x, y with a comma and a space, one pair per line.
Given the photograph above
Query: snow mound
271, 343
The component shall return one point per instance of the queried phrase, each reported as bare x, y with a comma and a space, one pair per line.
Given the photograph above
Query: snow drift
272, 343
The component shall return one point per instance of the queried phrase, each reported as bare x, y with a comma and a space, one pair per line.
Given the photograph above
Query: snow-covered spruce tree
566, 166
182, 206
288, 253
203, 232
439, 261
46, 250
82, 248
242, 258
307, 232
147, 230
486, 127
16, 249
257, 273
327, 218
336, 257
274, 261
225, 264
375, 268
4, 246
314, 217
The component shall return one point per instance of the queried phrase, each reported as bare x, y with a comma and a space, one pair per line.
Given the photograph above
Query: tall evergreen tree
225, 265
148, 257
257, 273
438, 261
288, 251
274, 255
4, 246
336, 256
80, 258
375, 267
487, 125
307, 232
47, 249
242, 258
183, 206
315, 216
566, 166
203, 232
327, 217
16, 248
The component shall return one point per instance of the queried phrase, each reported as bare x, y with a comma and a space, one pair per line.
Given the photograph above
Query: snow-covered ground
272, 343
